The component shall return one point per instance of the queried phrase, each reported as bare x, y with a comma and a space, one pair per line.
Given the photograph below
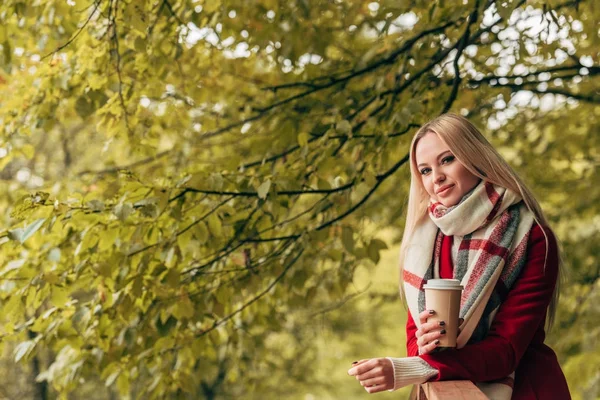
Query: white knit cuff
411, 371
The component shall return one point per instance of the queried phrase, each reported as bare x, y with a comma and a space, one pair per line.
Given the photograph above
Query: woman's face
445, 179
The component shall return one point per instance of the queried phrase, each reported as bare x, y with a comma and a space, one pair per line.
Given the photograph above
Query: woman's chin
448, 202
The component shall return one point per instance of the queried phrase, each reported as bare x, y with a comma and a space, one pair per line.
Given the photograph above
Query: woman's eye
448, 159
424, 171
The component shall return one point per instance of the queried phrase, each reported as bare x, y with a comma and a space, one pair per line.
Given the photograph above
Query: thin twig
114, 170
272, 193
461, 47
380, 179
255, 298
72, 39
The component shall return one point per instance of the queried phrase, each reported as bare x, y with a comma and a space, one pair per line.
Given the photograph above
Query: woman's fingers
378, 388
372, 373
430, 337
362, 368
428, 348
378, 380
355, 363
379, 377
429, 326
424, 315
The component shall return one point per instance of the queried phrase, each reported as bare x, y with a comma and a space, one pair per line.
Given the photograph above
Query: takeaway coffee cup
443, 296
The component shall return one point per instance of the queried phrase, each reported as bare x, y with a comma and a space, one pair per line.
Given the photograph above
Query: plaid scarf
492, 224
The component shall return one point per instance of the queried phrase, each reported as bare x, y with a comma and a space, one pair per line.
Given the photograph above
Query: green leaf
322, 184
112, 378
16, 234
343, 127
303, 139
122, 211
184, 308
201, 232
12, 265
31, 229
214, 224
123, 385
54, 255
348, 239
165, 328
7, 51
28, 151
171, 278
23, 350
95, 205
375, 246
263, 189
59, 297
84, 106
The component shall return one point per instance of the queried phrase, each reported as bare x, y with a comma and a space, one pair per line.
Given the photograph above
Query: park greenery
203, 199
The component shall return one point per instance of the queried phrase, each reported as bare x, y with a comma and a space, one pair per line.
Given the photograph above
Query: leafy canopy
185, 179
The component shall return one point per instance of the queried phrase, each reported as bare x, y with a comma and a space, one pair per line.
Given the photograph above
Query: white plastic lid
443, 284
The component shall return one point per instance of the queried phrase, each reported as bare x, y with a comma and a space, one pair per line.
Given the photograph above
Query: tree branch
182, 231
380, 179
72, 39
530, 86
388, 60
275, 193
593, 70
255, 298
464, 40
114, 170
170, 7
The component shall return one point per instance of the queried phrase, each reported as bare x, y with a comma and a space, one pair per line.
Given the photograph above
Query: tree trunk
40, 388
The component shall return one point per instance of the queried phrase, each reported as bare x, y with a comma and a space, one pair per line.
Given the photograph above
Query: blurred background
204, 199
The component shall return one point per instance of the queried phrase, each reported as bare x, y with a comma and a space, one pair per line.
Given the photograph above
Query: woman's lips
445, 190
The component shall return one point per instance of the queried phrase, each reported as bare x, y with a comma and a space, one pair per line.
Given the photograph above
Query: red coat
516, 338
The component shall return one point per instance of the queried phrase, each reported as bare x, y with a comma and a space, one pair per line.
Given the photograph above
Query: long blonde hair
478, 156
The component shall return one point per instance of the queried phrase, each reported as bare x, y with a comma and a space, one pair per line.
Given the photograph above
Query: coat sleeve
412, 349
519, 317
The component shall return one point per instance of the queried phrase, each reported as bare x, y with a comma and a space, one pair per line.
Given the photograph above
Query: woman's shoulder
542, 253
536, 236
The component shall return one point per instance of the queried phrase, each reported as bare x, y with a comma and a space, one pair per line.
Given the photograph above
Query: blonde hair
478, 156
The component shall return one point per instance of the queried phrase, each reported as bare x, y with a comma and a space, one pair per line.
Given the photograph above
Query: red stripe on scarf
516, 255
488, 250
478, 269
433, 207
485, 245
491, 193
413, 279
496, 199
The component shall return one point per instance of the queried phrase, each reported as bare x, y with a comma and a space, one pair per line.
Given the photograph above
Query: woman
470, 217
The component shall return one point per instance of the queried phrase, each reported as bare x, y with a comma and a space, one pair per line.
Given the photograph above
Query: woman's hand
429, 333
375, 374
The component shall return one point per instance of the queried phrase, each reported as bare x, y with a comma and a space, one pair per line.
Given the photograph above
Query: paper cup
443, 296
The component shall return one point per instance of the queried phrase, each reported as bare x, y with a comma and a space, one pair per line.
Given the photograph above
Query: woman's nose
438, 177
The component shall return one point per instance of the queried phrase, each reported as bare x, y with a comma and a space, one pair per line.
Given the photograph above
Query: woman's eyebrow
438, 157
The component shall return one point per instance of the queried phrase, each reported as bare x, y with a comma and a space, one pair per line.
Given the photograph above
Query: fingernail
437, 342
431, 312
354, 362
442, 323
443, 331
